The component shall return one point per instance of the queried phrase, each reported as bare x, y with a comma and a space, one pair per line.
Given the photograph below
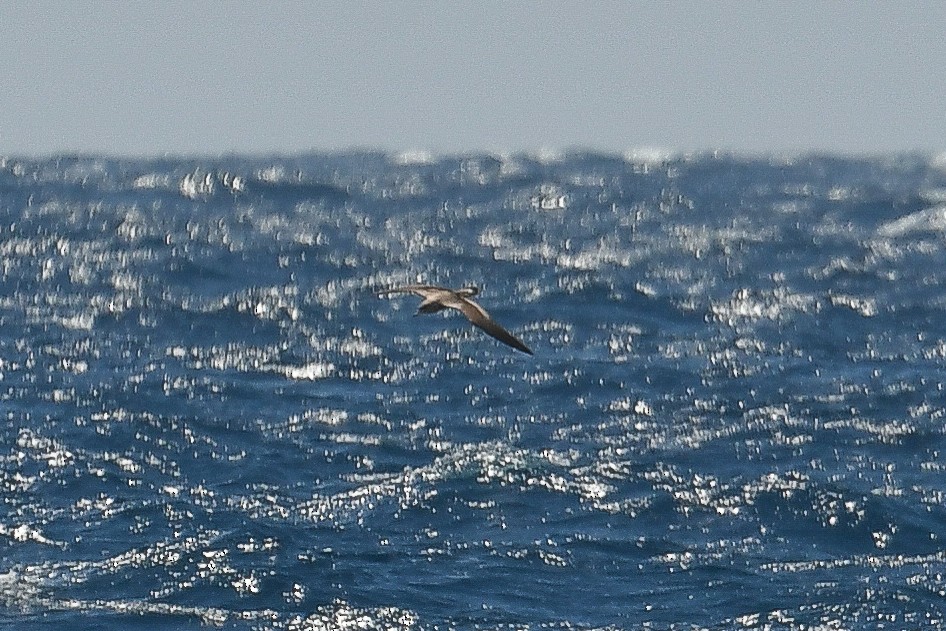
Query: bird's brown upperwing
480, 318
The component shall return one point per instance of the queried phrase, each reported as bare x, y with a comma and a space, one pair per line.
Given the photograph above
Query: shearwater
439, 298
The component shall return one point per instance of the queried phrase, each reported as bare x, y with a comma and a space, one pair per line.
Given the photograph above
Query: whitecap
928, 220
413, 157
648, 156
312, 371
151, 181
197, 185
78, 322
866, 307
272, 175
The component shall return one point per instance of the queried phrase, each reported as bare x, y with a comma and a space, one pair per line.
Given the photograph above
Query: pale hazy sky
150, 78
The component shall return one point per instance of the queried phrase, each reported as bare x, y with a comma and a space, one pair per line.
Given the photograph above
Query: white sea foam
928, 220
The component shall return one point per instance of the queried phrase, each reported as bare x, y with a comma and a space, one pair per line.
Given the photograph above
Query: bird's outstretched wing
424, 291
480, 318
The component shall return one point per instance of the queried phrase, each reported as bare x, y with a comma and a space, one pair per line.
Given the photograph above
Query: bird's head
468, 292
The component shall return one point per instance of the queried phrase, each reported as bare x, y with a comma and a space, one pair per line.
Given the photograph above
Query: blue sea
734, 417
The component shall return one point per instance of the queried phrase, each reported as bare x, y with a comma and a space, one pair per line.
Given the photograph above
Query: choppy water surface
734, 417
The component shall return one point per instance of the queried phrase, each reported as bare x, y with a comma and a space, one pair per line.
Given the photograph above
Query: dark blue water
734, 417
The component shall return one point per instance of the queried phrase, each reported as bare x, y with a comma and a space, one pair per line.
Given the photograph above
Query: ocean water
734, 417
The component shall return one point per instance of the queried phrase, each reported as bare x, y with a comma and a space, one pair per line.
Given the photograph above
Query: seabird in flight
439, 298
